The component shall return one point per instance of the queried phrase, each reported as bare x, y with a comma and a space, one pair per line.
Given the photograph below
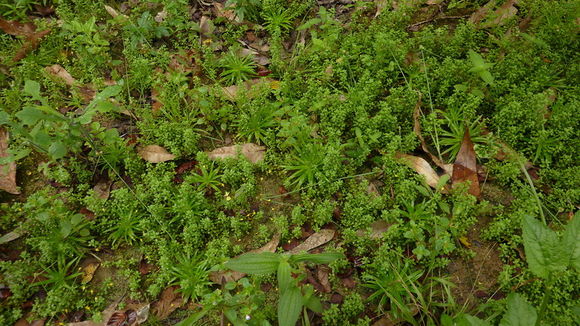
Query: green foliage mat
146, 146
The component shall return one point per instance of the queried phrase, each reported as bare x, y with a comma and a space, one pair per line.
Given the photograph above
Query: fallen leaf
223, 277
231, 92
60, 72
220, 11
256, 56
322, 275
27, 31
155, 154
160, 17
24, 322
89, 272
481, 12
502, 14
103, 188
421, 166
169, 301
118, 318
464, 241
316, 240
7, 171
254, 153
111, 11
377, 229
105, 316
206, 26
465, 166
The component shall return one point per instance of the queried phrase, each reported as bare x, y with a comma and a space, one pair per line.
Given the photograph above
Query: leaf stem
546, 299
536, 196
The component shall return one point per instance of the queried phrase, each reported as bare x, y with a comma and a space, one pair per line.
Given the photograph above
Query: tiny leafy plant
292, 298
127, 229
253, 126
191, 274
236, 68
207, 178
305, 166
480, 67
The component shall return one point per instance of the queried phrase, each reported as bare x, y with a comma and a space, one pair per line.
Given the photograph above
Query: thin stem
546, 299
536, 196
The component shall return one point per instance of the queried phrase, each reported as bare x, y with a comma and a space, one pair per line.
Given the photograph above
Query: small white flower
248, 317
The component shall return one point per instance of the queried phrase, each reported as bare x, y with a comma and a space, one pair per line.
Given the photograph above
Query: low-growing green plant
293, 299
128, 228
254, 124
208, 177
305, 166
236, 68
191, 273
59, 275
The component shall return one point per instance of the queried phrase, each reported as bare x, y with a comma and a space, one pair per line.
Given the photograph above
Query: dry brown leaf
10, 236
222, 277
502, 14
481, 13
89, 272
105, 316
206, 26
254, 153
220, 11
103, 188
160, 17
231, 92
28, 31
316, 240
60, 72
169, 301
256, 56
7, 171
155, 154
377, 229
111, 11
322, 275
465, 166
421, 166
24, 322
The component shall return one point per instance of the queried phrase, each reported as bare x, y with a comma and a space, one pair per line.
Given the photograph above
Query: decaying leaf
502, 14
254, 153
169, 301
60, 72
316, 240
155, 154
10, 236
465, 166
421, 166
322, 275
24, 321
105, 316
231, 92
28, 31
7, 171
89, 272
221, 11
223, 277
377, 229
103, 188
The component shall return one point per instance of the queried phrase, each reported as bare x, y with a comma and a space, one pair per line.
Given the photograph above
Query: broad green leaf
309, 300
251, 263
193, 319
544, 252
32, 88
468, 320
289, 306
284, 276
519, 312
324, 258
57, 150
30, 115
571, 241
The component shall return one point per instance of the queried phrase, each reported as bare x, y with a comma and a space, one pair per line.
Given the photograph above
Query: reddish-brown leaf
15, 28
465, 166
169, 301
119, 318
8, 171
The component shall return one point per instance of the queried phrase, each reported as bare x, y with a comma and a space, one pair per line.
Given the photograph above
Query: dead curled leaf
499, 17
27, 31
7, 171
316, 240
169, 301
103, 189
421, 166
105, 316
465, 166
253, 152
89, 272
155, 154
59, 72
377, 229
